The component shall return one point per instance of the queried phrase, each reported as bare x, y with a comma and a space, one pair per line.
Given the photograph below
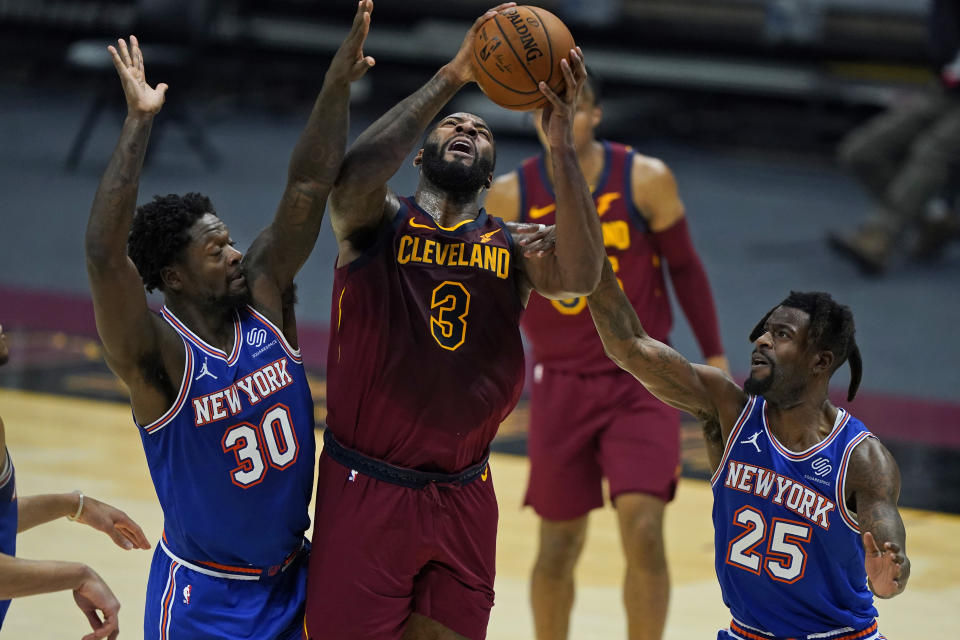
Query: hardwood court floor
59, 444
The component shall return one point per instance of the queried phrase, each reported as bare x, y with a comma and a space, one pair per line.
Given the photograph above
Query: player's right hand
883, 567
536, 240
462, 63
349, 63
93, 596
141, 98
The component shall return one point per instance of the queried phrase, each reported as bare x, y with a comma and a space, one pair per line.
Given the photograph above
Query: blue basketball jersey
232, 459
789, 555
8, 519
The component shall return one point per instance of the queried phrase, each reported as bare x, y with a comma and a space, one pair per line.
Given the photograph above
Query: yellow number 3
448, 322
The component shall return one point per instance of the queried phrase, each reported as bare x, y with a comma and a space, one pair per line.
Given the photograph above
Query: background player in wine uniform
216, 383
425, 361
21, 577
588, 419
805, 497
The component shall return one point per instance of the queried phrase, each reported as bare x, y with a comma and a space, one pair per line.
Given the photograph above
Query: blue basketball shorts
186, 604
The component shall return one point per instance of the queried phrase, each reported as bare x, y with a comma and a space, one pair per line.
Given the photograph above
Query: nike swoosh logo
539, 212
417, 225
485, 238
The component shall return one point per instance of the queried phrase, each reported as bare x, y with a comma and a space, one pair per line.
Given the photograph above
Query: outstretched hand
536, 240
349, 63
462, 63
557, 116
141, 98
126, 533
883, 567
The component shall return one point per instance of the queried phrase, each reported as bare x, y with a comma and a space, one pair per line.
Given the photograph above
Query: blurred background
747, 101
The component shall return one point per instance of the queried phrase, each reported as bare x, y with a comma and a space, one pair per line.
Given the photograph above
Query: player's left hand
536, 240
557, 115
884, 568
349, 63
126, 533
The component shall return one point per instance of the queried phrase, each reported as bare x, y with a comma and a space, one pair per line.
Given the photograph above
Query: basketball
517, 49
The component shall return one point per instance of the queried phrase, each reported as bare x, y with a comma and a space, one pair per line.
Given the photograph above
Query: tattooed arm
281, 249
706, 392
360, 198
136, 345
873, 488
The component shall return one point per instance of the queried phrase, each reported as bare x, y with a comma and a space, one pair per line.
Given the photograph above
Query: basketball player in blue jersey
216, 382
805, 497
21, 577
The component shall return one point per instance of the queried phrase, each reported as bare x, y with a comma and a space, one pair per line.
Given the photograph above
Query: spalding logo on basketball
517, 49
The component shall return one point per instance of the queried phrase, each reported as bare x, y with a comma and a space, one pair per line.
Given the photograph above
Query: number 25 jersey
425, 357
789, 556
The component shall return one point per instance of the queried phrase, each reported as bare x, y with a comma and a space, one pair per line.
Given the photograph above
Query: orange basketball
515, 50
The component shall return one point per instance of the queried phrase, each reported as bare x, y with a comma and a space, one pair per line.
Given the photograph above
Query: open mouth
757, 360
461, 146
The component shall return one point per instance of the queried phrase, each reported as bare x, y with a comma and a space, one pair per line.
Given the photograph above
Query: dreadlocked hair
831, 329
159, 235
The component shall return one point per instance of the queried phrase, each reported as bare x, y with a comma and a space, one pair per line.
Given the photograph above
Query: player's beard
756, 387
455, 177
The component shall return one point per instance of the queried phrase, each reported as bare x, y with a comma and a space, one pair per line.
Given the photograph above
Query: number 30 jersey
232, 459
425, 357
789, 555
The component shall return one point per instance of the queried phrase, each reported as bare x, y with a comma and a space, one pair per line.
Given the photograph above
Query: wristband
74, 517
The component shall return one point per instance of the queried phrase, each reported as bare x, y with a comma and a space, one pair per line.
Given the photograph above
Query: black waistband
386, 472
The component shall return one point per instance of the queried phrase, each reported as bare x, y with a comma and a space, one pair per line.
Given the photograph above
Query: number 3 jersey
425, 357
232, 459
789, 556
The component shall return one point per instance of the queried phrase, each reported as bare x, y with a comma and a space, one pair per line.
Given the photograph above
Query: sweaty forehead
796, 318
465, 117
206, 226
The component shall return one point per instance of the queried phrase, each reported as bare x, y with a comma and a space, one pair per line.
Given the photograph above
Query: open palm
141, 98
883, 567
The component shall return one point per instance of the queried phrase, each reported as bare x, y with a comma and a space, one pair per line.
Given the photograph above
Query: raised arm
706, 392
873, 486
281, 249
359, 197
573, 269
129, 331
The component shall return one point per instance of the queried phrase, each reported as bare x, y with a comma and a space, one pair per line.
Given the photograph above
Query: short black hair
159, 235
831, 329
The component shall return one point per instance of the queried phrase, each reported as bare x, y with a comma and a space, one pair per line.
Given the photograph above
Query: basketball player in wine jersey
216, 382
805, 497
425, 361
588, 419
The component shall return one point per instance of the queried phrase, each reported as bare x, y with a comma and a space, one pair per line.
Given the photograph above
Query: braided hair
831, 329
159, 233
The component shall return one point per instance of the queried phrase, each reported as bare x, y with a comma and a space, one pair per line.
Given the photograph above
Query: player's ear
171, 279
418, 160
489, 182
596, 117
823, 362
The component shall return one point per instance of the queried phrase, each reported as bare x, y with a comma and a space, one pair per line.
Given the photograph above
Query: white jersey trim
848, 517
204, 570
732, 438
181, 400
7, 471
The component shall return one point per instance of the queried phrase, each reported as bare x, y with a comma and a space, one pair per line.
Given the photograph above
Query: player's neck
215, 326
592, 158
446, 208
802, 424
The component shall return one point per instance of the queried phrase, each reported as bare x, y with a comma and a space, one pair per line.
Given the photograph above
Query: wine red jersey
426, 358
561, 332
